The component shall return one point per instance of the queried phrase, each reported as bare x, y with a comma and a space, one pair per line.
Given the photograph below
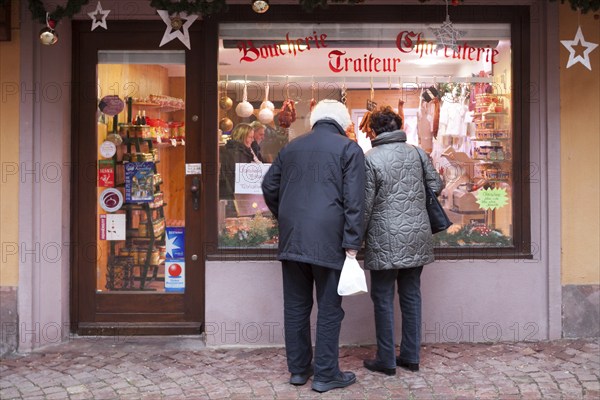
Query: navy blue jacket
316, 190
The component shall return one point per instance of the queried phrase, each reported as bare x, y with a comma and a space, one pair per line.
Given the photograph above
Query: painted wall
9, 154
9, 185
580, 153
44, 190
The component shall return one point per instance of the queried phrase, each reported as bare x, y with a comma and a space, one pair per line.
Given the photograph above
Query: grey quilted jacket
397, 234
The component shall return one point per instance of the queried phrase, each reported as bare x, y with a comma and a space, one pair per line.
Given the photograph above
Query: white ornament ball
265, 115
244, 109
267, 104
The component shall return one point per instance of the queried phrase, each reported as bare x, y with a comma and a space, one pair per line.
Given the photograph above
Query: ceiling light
260, 6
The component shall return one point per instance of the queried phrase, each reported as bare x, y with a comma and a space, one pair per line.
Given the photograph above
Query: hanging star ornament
175, 26
447, 35
575, 58
98, 17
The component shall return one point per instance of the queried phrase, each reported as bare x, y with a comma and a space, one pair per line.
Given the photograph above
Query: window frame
519, 19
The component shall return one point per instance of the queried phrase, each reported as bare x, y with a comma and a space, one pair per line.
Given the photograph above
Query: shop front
183, 240
169, 231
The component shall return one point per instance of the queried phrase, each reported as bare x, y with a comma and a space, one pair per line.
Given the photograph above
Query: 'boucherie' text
289, 46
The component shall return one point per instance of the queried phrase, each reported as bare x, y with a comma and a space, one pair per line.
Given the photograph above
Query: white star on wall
579, 40
96, 21
447, 35
171, 33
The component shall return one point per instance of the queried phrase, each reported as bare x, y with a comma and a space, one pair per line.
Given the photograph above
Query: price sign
491, 199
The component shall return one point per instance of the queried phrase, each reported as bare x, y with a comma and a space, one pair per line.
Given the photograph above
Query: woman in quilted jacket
398, 237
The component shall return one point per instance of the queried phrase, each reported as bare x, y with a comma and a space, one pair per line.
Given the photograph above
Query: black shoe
301, 378
414, 367
342, 380
375, 366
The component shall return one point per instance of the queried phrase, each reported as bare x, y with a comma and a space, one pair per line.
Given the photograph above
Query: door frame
124, 313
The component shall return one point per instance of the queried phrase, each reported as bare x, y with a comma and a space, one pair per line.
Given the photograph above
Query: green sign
490, 199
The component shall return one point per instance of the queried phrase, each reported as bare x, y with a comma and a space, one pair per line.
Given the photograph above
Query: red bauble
174, 270
51, 23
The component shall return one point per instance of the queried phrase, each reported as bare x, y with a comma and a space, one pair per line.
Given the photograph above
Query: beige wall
580, 153
9, 154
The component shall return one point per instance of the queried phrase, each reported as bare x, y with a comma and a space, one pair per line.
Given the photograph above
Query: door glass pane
456, 104
141, 170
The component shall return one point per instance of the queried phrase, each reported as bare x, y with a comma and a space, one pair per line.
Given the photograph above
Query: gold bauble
176, 23
225, 103
48, 36
225, 124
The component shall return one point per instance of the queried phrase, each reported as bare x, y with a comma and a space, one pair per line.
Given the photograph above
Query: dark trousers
382, 293
298, 280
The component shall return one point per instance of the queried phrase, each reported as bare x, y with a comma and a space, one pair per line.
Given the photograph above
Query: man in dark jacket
315, 189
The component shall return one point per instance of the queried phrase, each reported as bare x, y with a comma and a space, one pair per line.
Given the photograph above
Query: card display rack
134, 263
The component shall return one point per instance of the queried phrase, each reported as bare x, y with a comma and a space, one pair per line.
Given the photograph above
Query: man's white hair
331, 109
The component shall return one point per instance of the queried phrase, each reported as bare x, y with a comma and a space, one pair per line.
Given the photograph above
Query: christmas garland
38, 11
310, 5
206, 7
583, 5
200, 7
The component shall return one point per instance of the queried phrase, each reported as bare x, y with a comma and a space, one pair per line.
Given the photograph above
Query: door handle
195, 189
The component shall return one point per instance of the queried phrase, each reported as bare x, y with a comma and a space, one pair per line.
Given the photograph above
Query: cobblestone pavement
177, 368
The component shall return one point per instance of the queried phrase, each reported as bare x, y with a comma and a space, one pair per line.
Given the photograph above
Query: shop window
457, 105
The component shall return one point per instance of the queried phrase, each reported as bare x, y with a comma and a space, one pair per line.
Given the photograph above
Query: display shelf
491, 114
164, 143
156, 238
488, 161
140, 206
157, 106
491, 140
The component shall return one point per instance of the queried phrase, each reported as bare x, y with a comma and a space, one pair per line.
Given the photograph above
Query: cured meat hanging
365, 125
401, 111
287, 115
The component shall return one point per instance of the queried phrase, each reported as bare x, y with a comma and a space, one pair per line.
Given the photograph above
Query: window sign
249, 177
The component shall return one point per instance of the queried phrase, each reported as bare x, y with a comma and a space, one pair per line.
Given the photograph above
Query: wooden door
138, 258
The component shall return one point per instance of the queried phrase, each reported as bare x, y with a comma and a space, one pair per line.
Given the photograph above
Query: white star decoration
447, 35
579, 40
96, 21
170, 242
171, 33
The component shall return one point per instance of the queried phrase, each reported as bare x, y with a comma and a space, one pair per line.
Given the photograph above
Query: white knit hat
331, 109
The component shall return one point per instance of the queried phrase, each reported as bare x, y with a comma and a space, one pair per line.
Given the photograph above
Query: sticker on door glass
111, 200
193, 169
174, 276
106, 173
108, 149
112, 227
175, 242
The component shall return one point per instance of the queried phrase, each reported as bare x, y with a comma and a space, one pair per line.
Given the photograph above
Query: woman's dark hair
385, 120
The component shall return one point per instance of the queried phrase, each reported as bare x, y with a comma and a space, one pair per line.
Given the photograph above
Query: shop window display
456, 104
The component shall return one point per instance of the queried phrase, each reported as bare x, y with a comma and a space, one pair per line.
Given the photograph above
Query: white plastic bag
352, 280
